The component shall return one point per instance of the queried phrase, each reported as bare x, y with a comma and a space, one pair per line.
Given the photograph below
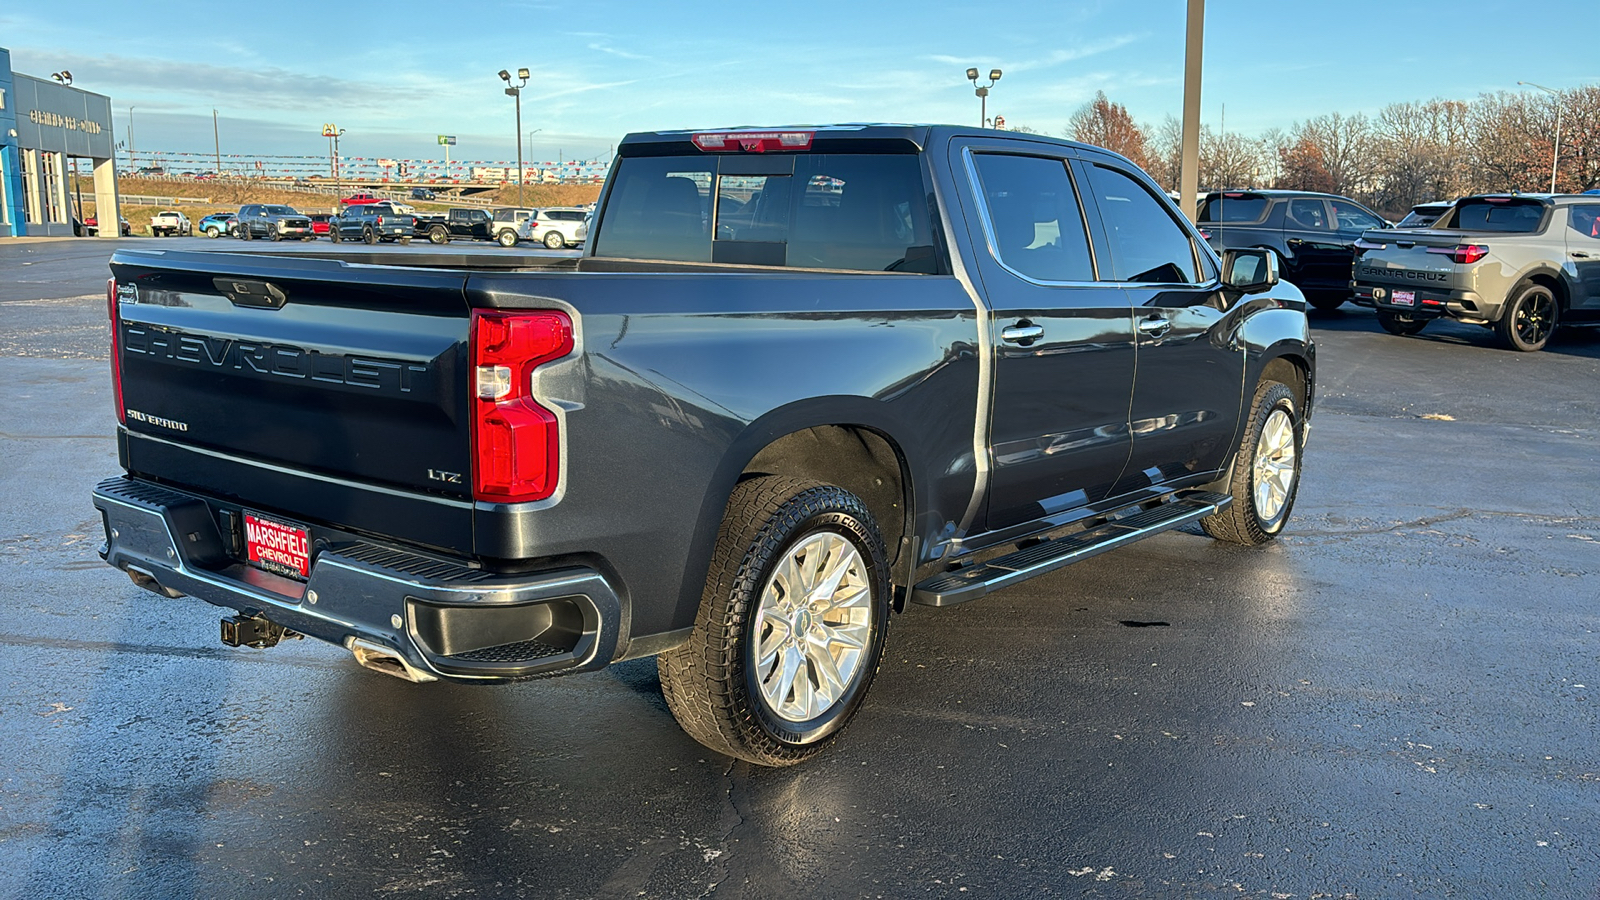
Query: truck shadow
1570, 341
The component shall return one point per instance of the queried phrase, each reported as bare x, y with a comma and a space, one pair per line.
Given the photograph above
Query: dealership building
45, 127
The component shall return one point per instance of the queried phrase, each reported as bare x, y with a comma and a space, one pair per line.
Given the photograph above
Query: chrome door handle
1155, 326
1579, 254
1021, 334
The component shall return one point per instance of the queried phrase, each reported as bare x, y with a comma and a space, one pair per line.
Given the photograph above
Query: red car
92, 226
319, 222
359, 199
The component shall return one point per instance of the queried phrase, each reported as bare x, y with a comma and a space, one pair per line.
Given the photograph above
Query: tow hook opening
379, 658
254, 631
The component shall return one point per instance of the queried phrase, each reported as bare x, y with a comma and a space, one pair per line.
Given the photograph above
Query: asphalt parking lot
1398, 699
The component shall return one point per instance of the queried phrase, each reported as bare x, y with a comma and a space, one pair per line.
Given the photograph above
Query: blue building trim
10, 159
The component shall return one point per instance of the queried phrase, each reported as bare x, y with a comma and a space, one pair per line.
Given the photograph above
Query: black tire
1401, 325
1243, 522
712, 683
333, 235
1326, 302
272, 232
245, 234
368, 235
438, 234
1529, 319
406, 239
554, 240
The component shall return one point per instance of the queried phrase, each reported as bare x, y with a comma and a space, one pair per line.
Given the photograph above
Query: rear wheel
1266, 471
406, 239
245, 234
791, 625
333, 235
554, 240
1326, 302
370, 236
1402, 325
213, 232
1529, 319
438, 235
507, 238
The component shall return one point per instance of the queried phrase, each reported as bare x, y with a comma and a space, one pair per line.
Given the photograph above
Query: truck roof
876, 136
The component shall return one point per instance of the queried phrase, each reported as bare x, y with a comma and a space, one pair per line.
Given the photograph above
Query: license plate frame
1405, 298
273, 545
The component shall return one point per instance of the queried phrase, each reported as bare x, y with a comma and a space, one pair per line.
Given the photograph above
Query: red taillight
753, 141
116, 348
516, 442
1462, 253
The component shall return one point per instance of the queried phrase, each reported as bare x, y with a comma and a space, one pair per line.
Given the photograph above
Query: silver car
1517, 263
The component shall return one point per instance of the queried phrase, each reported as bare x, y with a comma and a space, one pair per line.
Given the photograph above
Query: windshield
1422, 216
281, 211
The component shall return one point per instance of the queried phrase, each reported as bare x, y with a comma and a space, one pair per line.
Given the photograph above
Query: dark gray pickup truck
797, 380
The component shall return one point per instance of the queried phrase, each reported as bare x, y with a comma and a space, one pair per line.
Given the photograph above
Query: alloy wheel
813, 626
1275, 465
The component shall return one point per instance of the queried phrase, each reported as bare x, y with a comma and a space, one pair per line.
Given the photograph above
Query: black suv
1313, 235
274, 222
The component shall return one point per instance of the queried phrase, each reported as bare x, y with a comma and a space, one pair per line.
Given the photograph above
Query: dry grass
227, 196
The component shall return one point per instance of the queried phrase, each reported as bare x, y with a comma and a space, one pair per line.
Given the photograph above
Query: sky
395, 75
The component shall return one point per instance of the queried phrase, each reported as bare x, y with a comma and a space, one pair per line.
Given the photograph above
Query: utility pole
133, 153
332, 132
1189, 169
217, 140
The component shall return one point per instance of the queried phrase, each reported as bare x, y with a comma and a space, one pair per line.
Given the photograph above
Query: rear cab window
851, 211
1507, 215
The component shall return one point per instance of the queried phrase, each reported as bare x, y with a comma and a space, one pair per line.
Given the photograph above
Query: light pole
1555, 157
983, 94
515, 92
133, 152
332, 132
216, 139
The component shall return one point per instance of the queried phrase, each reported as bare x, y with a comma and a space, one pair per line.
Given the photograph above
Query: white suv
559, 227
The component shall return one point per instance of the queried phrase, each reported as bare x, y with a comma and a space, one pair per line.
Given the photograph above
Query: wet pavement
1398, 699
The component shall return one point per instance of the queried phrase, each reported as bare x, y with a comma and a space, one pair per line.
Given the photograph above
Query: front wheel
554, 240
1529, 319
1402, 325
272, 232
1266, 471
791, 625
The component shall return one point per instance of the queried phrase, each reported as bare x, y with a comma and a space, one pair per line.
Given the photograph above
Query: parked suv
218, 224
559, 227
1312, 234
1519, 264
273, 222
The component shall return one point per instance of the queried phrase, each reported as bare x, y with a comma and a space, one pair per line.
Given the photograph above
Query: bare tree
1344, 146
1106, 124
1419, 154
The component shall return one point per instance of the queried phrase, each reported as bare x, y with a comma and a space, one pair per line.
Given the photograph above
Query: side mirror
1249, 271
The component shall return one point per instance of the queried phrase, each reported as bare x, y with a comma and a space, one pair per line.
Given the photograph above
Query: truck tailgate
295, 366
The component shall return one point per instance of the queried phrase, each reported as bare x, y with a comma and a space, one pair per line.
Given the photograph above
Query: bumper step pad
950, 588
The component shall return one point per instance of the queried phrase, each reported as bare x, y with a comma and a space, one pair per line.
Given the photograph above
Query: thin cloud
615, 52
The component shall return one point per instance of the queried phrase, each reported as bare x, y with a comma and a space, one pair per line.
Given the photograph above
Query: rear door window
1147, 243
1035, 222
1307, 214
1585, 220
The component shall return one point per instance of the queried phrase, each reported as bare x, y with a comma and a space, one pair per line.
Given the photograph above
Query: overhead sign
447, 139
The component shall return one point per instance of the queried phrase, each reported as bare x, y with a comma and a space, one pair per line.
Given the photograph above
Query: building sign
57, 120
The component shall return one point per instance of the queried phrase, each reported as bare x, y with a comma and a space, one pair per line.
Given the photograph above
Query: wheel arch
1545, 277
845, 441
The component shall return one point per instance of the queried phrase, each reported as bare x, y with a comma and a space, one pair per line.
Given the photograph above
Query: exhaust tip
379, 658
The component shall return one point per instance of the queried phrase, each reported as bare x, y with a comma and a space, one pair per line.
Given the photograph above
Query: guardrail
147, 200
